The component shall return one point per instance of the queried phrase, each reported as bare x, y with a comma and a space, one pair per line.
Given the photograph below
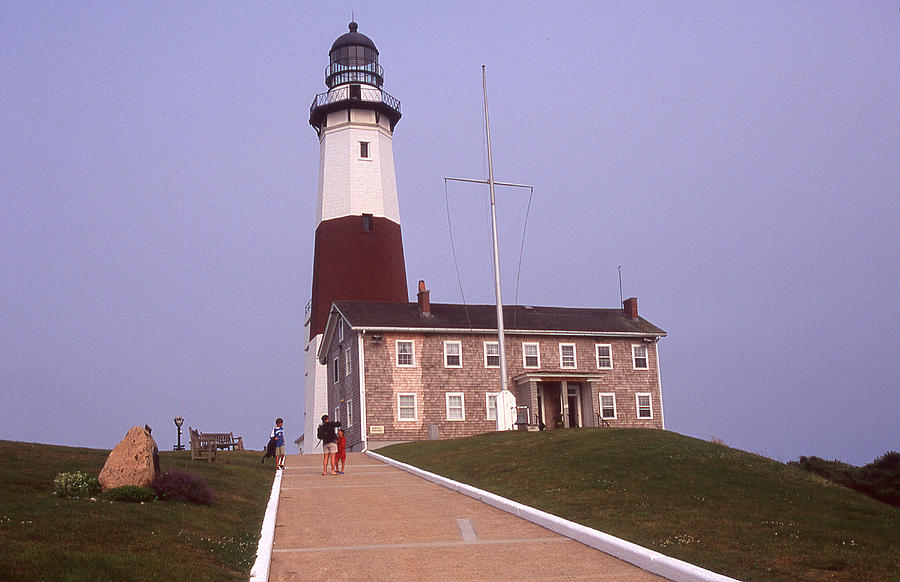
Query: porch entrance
561, 404
549, 394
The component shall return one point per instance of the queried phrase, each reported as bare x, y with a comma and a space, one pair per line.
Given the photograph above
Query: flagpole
505, 400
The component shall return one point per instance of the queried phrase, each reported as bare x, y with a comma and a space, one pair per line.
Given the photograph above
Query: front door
552, 405
573, 395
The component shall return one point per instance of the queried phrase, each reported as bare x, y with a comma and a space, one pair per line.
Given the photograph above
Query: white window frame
614, 408
337, 413
412, 353
525, 355
348, 362
349, 413
462, 405
415, 407
634, 357
447, 354
574, 357
341, 330
497, 355
336, 370
649, 407
491, 407
597, 353
368, 148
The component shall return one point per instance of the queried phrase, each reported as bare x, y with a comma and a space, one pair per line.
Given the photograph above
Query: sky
739, 161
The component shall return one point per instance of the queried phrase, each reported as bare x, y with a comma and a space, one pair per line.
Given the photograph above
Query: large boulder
134, 461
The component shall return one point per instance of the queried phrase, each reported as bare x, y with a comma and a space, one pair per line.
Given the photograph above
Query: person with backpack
278, 435
325, 433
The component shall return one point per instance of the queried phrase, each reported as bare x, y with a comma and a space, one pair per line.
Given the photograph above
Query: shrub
178, 485
879, 479
129, 493
75, 485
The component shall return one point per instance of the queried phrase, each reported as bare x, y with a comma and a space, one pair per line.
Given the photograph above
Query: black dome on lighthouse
353, 59
354, 38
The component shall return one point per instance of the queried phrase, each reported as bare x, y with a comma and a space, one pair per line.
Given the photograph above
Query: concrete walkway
376, 522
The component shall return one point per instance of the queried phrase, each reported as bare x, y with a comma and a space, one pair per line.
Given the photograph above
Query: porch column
564, 402
594, 387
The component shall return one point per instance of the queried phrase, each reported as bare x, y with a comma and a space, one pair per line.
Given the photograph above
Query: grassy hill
43, 537
733, 512
730, 511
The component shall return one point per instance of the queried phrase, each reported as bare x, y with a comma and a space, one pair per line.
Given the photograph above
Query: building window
567, 356
337, 413
364, 149
405, 354
452, 355
491, 403
349, 413
336, 369
639, 357
644, 406
341, 330
607, 406
531, 354
604, 356
455, 406
491, 354
348, 363
368, 223
406, 407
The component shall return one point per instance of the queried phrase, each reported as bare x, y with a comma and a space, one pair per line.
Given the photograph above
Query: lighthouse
358, 246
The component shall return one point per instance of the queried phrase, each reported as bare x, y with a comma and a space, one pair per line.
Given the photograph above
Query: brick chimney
424, 299
629, 306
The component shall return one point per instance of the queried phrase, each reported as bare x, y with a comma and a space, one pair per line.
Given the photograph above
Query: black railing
369, 94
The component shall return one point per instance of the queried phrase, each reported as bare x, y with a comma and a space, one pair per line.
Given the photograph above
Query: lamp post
178, 422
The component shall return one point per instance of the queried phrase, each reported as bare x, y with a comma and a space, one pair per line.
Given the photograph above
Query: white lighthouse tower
359, 249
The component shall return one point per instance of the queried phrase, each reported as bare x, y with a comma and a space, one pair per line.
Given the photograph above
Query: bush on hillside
879, 479
130, 493
76, 485
178, 485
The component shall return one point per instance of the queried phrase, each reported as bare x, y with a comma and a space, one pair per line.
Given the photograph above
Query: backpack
322, 432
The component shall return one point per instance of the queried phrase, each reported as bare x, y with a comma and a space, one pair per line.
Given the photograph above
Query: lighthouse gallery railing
343, 93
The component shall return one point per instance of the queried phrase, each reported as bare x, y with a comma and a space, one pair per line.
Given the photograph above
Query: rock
134, 461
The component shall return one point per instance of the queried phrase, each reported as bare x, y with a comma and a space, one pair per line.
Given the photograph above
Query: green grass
732, 512
43, 537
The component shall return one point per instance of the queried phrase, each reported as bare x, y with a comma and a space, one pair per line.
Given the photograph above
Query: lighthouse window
364, 149
368, 222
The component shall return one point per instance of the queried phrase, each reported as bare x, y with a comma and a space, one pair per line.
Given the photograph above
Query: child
278, 435
341, 455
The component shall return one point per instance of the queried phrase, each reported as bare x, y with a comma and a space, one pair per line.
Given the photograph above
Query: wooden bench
223, 440
207, 443
201, 446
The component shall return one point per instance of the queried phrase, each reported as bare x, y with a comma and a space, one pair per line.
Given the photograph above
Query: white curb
643, 558
260, 570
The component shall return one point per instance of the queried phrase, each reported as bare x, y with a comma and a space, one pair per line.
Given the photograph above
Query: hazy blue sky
740, 161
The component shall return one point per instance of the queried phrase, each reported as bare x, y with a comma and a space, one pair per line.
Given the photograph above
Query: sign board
376, 429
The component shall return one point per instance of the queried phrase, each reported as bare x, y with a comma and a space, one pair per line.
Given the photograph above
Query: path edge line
644, 558
260, 570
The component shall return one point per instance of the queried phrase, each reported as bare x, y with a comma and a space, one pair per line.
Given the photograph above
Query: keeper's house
414, 371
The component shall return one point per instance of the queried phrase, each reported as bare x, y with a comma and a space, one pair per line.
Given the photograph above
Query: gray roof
519, 318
